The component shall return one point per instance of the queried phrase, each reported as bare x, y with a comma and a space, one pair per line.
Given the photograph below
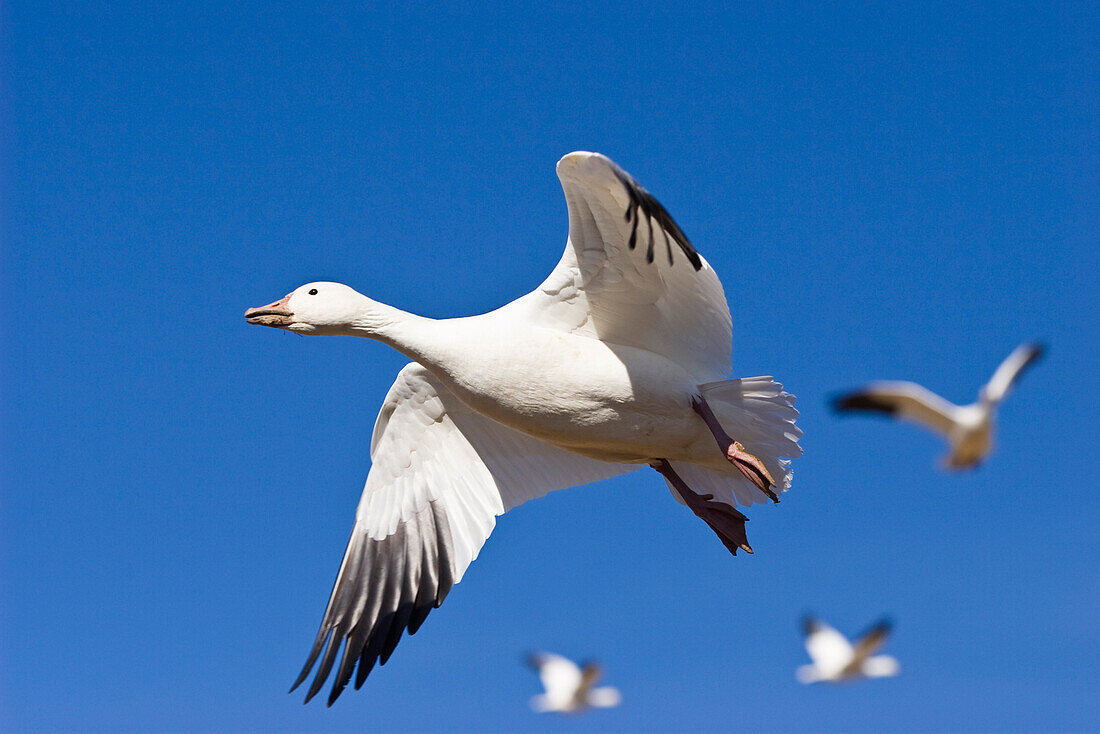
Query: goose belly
605, 401
971, 447
972, 440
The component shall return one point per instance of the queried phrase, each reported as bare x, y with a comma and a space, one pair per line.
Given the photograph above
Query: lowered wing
440, 475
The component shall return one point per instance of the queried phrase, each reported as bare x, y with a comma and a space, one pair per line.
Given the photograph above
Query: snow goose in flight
967, 428
618, 360
836, 659
569, 687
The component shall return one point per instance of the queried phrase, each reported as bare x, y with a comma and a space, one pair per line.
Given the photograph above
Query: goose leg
749, 465
726, 522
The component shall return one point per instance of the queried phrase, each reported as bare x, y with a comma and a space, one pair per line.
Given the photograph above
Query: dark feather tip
643, 202
884, 625
862, 401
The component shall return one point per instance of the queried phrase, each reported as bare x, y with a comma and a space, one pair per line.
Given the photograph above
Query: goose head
314, 308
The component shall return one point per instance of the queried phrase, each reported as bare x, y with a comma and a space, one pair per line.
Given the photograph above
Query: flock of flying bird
570, 688
618, 361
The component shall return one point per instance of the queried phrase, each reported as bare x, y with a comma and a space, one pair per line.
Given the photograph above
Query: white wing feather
606, 697
829, 649
904, 400
1009, 371
659, 295
560, 676
440, 475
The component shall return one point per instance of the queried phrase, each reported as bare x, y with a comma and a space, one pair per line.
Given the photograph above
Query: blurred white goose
967, 428
618, 360
836, 659
569, 688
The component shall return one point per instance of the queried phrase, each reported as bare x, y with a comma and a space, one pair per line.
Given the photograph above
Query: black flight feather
642, 202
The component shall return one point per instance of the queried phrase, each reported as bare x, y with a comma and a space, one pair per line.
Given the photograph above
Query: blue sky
891, 192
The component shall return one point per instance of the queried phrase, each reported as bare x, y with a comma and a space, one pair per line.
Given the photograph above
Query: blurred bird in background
836, 659
569, 687
967, 428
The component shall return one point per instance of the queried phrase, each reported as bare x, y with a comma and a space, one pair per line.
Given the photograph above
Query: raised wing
902, 400
630, 276
590, 673
440, 474
868, 644
829, 649
560, 676
1010, 370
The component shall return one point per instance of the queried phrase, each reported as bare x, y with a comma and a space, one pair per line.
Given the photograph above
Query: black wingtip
809, 624
301, 677
365, 667
397, 629
319, 643
879, 629
648, 204
854, 401
884, 625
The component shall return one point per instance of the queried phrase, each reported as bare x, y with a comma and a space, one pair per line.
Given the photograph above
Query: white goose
967, 428
836, 659
569, 687
618, 360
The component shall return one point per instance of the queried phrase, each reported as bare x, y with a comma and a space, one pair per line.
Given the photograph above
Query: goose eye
312, 291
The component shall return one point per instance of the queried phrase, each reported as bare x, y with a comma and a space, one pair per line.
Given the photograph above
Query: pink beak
273, 314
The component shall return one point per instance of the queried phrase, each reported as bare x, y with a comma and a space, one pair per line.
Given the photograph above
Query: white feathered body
971, 438
876, 666
609, 402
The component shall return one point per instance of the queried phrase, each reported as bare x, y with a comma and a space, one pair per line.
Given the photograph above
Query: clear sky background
904, 192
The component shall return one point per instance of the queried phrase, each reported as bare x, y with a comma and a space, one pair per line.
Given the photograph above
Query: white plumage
569, 688
836, 659
618, 360
967, 428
